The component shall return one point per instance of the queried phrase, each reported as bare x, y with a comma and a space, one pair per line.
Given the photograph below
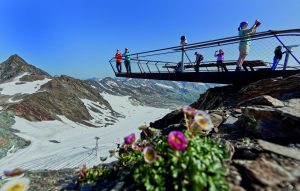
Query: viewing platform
164, 64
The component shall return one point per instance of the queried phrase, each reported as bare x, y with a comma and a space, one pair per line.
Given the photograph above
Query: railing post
113, 67
157, 67
148, 67
138, 62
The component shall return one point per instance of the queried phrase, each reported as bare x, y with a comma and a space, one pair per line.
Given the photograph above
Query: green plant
94, 174
181, 161
199, 167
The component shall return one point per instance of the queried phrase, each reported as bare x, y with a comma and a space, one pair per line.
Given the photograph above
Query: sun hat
243, 23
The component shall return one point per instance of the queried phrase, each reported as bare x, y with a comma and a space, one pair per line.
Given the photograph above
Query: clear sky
78, 37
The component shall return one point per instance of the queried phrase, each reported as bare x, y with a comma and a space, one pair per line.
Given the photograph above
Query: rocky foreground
259, 125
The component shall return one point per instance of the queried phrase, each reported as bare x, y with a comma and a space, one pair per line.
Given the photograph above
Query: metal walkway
161, 64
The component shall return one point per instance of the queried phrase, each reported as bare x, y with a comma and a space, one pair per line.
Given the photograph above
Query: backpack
200, 58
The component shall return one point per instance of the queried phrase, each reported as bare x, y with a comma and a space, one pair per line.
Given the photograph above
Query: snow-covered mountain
155, 93
46, 122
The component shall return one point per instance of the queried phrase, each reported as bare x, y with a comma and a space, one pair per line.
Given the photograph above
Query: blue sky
78, 37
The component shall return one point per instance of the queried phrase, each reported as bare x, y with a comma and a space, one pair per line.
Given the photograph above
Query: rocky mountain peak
16, 59
15, 65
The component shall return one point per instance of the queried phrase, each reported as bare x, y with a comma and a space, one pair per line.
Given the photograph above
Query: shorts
244, 49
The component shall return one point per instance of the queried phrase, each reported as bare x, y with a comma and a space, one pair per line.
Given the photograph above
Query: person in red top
118, 57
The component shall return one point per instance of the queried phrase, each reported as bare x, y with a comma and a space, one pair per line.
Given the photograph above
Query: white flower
203, 120
16, 184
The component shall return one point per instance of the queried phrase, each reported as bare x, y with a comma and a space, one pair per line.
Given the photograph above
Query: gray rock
275, 122
262, 100
265, 172
282, 150
216, 119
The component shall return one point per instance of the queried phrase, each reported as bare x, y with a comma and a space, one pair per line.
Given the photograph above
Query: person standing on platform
220, 58
199, 58
245, 42
127, 55
118, 57
278, 56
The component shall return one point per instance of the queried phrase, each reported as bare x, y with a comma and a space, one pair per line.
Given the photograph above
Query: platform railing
158, 61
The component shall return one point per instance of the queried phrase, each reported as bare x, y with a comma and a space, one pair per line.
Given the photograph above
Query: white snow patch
99, 119
164, 86
77, 144
13, 101
111, 83
12, 88
105, 87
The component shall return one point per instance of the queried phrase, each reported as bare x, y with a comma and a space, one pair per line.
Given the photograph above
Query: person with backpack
127, 55
199, 58
118, 57
278, 56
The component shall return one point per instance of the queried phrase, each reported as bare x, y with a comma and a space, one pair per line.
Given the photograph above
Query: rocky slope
145, 92
15, 66
31, 93
64, 96
259, 125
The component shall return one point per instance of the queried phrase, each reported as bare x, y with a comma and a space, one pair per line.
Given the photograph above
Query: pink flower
136, 147
203, 120
129, 139
149, 154
189, 111
14, 172
177, 140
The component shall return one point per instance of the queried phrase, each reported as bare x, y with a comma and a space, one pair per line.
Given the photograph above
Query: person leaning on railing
127, 55
118, 57
244, 46
277, 57
199, 58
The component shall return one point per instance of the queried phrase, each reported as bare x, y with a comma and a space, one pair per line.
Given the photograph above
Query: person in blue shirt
278, 56
245, 42
127, 55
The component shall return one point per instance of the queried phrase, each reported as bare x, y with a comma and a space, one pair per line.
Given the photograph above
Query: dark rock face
217, 97
8, 140
15, 65
282, 89
172, 118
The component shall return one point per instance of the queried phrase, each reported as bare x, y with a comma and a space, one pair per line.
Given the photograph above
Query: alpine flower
189, 111
149, 154
203, 120
16, 184
129, 140
177, 140
135, 147
14, 172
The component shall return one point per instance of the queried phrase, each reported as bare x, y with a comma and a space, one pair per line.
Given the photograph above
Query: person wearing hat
118, 57
245, 42
199, 58
127, 55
